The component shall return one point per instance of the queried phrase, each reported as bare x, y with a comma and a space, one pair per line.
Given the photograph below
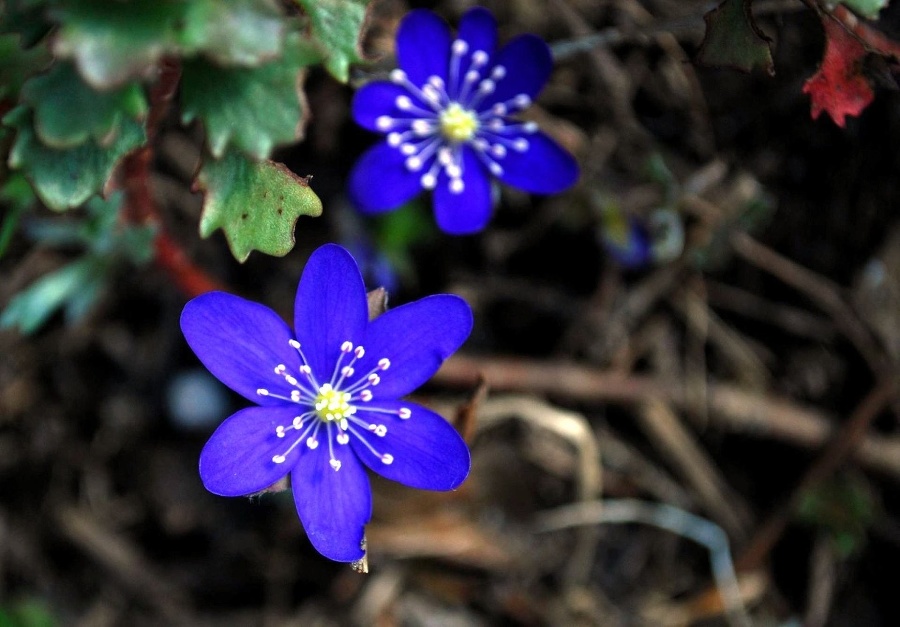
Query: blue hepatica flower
448, 113
328, 397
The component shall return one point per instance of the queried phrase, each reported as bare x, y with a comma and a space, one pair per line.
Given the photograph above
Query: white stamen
422, 127
394, 139
408, 149
384, 363
498, 72
380, 431
374, 379
413, 164
472, 76
294, 343
398, 76
498, 150
262, 392
460, 47
312, 442
342, 438
453, 171
336, 464
365, 396
457, 186
384, 123
495, 168
428, 181
499, 109
436, 81
347, 371
279, 431
278, 459
487, 86
387, 458
297, 422
404, 103
359, 352
404, 412
522, 101
346, 347
295, 396
530, 127
520, 145
479, 58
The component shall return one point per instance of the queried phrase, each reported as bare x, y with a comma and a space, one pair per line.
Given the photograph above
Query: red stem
140, 207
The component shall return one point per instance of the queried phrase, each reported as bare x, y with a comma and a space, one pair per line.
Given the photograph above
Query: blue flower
328, 397
448, 114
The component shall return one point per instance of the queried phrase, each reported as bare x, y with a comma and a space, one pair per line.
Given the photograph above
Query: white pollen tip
359, 352
346, 347
520, 145
530, 127
394, 139
365, 396
384, 122
403, 103
280, 368
262, 392
479, 57
405, 412
384, 363
294, 343
453, 171
297, 422
278, 459
496, 170
295, 395
498, 150
374, 379
311, 442
498, 72
279, 431
398, 76
472, 76
387, 458
428, 181
347, 371
460, 47
305, 369
342, 438
408, 149
344, 424
487, 86
457, 186
336, 464
436, 81
522, 100
380, 431
499, 109
413, 164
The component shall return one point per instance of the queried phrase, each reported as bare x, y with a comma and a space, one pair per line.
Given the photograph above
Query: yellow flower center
333, 404
458, 124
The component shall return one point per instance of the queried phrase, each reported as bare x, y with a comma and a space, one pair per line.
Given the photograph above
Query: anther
408, 149
398, 76
457, 186
359, 352
486, 86
374, 379
530, 127
460, 47
262, 392
280, 368
297, 422
346, 347
294, 343
522, 101
384, 122
336, 464
428, 181
413, 163
384, 363
498, 72
365, 396
521, 145
279, 431
380, 431
342, 438
311, 442
403, 103
436, 81
387, 458
347, 371
495, 169
472, 76
304, 369
499, 109
394, 139
498, 150
479, 57
278, 459
295, 396
404, 412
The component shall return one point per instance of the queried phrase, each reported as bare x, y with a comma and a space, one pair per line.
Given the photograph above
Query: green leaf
66, 288
67, 178
237, 32
337, 25
27, 18
112, 42
734, 40
67, 112
866, 8
253, 109
256, 204
17, 64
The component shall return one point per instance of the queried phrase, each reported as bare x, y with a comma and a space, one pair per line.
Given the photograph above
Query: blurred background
709, 320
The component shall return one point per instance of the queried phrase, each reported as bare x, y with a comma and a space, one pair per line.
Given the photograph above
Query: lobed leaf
17, 64
67, 112
64, 178
237, 32
337, 25
839, 87
256, 204
734, 40
253, 109
866, 8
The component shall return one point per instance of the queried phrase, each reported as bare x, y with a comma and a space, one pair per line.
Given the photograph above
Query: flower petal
379, 98
380, 180
237, 458
427, 451
478, 28
240, 342
330, 308
334, 505
470, 210
423, 46
544, 168
528, 65
416, 338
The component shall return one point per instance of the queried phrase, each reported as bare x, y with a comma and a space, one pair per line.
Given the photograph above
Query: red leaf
839, 88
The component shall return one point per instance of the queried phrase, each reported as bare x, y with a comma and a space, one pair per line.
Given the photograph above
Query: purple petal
423, 46
330, 308
334, 505
478, 28
416, 338
237, 459
544, 168
240, 342
427, 451
379, 98
470, 210
528, 64
380, 180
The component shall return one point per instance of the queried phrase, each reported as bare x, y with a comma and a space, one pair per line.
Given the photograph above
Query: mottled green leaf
253, 109
17, 64
337, 25
237, 32
67, 178
866, 8
72, 288
113, 42
68, 112
734, 40
255, 203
